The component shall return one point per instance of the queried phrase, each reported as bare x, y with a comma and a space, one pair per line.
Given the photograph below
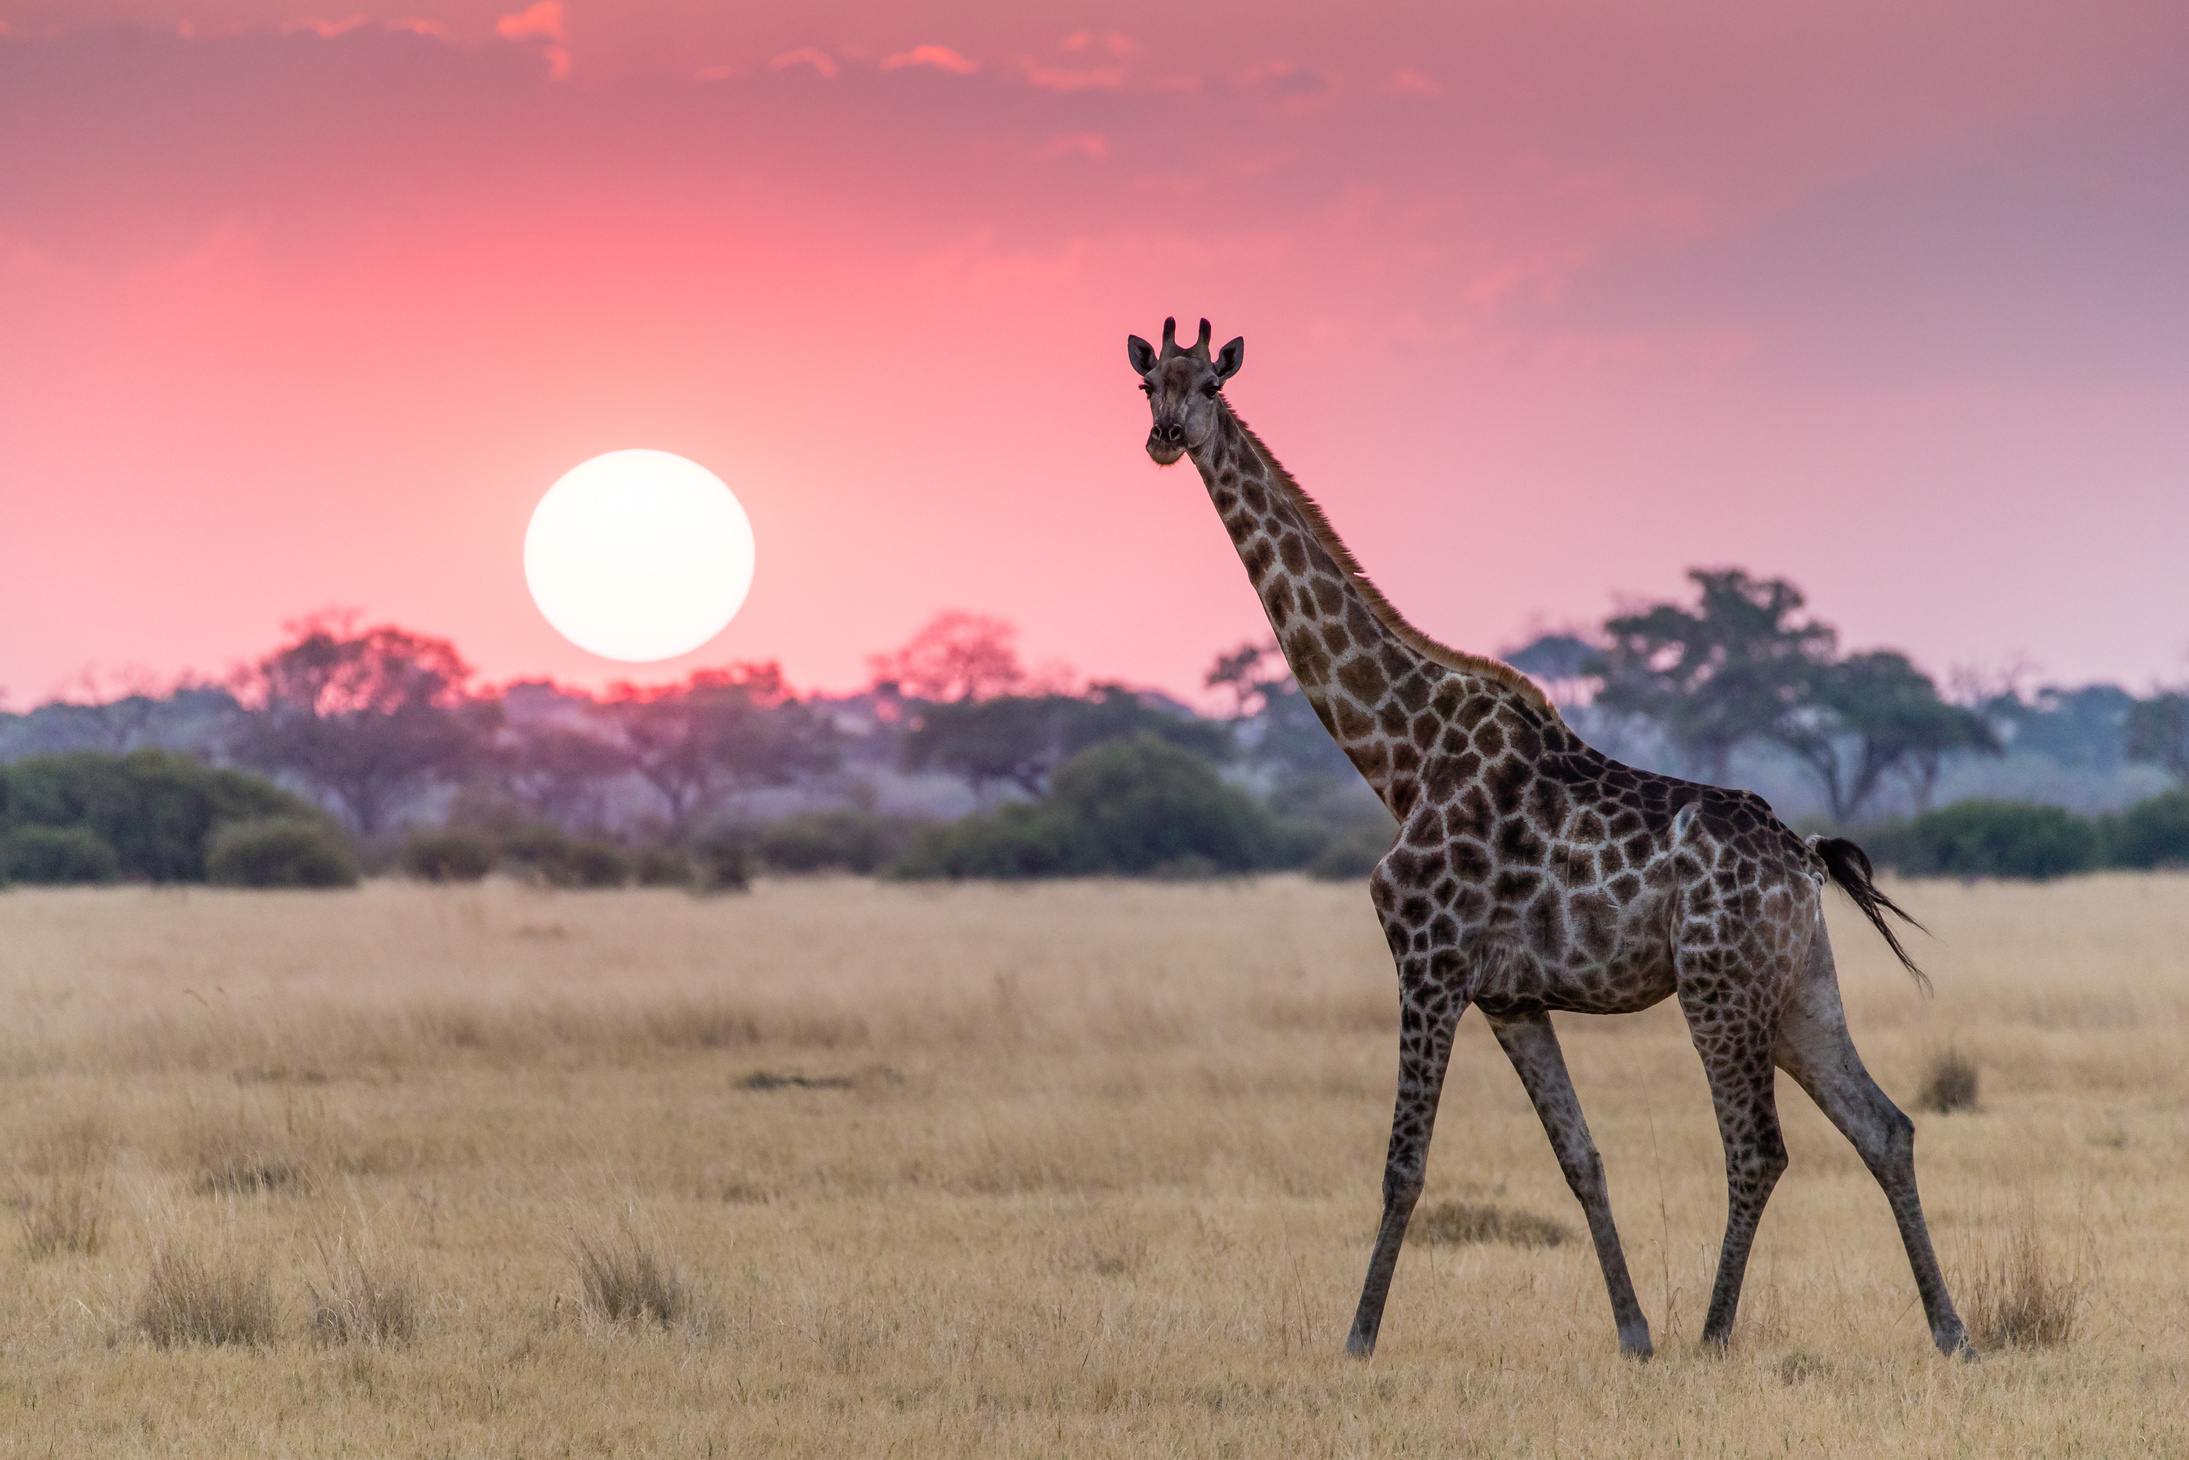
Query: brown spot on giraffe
1539, 876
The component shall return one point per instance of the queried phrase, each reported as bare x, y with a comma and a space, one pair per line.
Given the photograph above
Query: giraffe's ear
1141, 353
1230, 358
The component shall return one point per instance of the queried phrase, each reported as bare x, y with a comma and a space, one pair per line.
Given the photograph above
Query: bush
155, 809
1352, 853
1139, 807
663, 867
834, 841
280, 851
1989, 839
723, 864
544, 854
1950, 1083
626, 1279
57, 854
2153, 833
447, 856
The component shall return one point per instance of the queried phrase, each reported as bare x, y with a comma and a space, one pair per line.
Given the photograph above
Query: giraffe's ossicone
1533, 874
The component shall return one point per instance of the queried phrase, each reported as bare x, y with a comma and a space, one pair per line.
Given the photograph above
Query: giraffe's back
1542, 873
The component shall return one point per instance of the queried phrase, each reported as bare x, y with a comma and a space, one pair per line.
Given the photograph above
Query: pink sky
1547, 304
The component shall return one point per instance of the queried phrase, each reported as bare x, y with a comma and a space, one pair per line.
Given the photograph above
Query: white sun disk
639, 555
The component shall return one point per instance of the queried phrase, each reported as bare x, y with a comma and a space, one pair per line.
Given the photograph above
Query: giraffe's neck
1383, 691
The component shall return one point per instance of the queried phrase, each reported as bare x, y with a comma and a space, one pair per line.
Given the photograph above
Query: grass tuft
188, 1299
1949, 1084
626, 1279
2022, 1297
368, 1299
1459, 1221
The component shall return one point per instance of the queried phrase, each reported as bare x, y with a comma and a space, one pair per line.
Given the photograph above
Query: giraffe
1533, 874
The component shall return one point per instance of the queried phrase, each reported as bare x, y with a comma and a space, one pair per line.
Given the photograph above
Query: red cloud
806, 56
545, 21
326, 30
416, 26
1056, 78
942, 58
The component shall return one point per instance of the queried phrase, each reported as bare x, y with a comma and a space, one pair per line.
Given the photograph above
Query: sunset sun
639, 555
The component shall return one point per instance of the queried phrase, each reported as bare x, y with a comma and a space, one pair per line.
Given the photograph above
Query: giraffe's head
1181, 387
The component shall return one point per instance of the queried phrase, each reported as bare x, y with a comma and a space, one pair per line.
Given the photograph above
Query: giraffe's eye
1146, 389
1209, 390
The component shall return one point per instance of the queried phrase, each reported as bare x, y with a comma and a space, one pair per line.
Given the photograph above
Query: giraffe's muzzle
1167, 442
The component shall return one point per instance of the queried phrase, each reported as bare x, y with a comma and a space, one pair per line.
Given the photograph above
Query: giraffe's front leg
1427, 1017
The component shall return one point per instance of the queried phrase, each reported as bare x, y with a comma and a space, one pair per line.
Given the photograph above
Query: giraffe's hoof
1359, 1345
1955, 1343
1637, 1346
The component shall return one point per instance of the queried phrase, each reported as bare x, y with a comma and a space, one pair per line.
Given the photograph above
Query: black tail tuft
1850, 868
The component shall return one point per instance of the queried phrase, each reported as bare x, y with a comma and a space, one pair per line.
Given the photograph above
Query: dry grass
1949, 1084
191, 1298
1085, 1169
2021, 1295
362, 1297
1461, 1221
623, 1277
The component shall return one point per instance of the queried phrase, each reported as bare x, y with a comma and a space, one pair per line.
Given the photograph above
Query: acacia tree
717, 733
2158, 732
956, 656
1737, 666
366, 718
1875, 714
1020, 739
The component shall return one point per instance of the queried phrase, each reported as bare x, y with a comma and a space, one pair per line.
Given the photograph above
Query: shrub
156, 809
187, 1299
280, 851
1139, 807
1352, 853
448, 856
847, 841
1989, 839
663, 867
2153, 833
544, 854
56, 854
1015, 840
1456, 1222
1950, 1084
723, 863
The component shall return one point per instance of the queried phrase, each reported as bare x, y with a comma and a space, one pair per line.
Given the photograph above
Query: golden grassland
1087, 1168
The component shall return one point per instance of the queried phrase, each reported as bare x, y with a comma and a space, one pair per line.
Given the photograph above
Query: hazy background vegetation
352, 746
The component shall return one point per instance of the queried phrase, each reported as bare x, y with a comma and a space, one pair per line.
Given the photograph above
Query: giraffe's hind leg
1814, 1047
1531, 1044
1733, 1021
1427, 1017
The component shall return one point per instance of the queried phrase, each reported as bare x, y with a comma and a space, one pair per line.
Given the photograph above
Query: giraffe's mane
1385, 611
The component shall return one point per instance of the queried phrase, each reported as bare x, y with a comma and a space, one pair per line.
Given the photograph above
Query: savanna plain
840, 1167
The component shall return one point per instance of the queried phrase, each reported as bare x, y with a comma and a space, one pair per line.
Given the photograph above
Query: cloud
415, 26
1115, 43
1080, 144
543, 21
1407, 82
326, 30
942, 58
1056, 78
805, 56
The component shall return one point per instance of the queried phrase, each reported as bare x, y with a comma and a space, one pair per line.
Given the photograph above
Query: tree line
384, 733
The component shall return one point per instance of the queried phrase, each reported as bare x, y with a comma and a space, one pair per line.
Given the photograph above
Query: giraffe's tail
1849, 866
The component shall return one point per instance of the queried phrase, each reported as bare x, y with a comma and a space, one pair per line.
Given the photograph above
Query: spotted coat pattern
1533, 874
